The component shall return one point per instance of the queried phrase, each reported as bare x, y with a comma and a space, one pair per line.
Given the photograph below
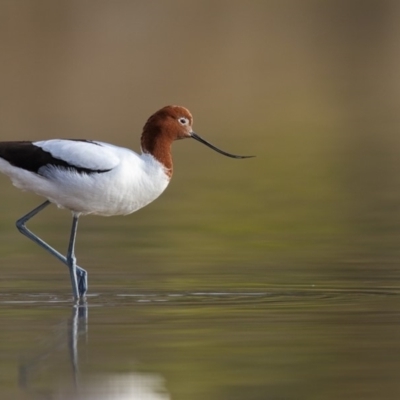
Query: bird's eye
183, 121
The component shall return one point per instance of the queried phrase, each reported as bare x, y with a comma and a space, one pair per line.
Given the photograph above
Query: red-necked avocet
91, 177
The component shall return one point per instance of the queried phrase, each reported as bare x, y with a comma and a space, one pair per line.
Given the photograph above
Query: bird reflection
76, 327
76, 386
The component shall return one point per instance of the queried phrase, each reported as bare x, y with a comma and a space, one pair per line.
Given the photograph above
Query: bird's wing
79, 155
85, 155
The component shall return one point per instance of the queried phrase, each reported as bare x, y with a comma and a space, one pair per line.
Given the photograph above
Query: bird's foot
81, 277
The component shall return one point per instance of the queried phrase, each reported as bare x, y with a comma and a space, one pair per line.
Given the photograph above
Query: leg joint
20, 224
71, 260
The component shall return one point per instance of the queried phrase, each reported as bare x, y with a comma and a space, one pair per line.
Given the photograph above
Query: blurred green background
310, 87
274, 277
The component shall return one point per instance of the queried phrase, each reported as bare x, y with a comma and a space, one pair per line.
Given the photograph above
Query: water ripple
282, 296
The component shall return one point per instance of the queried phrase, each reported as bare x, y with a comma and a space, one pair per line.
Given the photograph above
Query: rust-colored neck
157, 144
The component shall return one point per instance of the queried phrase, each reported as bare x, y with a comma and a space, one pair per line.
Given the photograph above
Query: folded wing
81, 156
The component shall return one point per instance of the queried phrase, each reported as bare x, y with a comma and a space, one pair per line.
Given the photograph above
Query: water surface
289, 343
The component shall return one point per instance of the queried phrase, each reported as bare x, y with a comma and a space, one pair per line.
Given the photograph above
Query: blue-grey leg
80, 287
71, 259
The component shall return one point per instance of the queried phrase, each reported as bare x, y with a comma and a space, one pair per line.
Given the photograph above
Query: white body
133, 180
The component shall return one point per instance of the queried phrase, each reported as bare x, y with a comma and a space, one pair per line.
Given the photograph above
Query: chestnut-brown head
169, 124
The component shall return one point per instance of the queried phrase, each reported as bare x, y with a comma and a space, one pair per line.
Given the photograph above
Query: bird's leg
71, 259
81, 274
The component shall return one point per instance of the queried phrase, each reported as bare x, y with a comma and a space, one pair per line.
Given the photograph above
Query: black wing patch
25, 155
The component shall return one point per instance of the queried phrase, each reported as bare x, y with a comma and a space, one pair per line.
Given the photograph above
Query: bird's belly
112, 199
108, 204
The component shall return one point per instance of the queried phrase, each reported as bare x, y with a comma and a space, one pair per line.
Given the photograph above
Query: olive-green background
312, 88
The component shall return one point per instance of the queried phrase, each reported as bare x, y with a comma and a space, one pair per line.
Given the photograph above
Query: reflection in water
132, 386
288, 343
135, 386
77, 326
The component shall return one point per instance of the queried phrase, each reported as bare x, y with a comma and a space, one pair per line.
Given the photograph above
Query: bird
94, 177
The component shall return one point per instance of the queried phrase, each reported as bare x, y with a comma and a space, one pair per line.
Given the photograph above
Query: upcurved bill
201, 140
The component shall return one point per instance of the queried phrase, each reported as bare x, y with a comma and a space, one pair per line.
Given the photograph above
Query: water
280, 344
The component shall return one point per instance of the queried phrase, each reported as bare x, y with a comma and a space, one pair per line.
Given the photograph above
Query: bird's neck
160, 148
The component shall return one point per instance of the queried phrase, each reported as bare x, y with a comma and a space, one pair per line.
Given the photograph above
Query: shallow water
280, 344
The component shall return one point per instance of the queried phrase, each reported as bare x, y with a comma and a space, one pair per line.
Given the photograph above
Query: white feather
91, 155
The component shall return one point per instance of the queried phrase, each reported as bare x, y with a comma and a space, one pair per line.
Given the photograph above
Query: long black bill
201, 140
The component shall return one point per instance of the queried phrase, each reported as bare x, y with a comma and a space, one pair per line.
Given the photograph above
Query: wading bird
91, 177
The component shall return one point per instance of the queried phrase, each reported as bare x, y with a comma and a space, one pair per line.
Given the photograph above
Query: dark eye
183, 121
